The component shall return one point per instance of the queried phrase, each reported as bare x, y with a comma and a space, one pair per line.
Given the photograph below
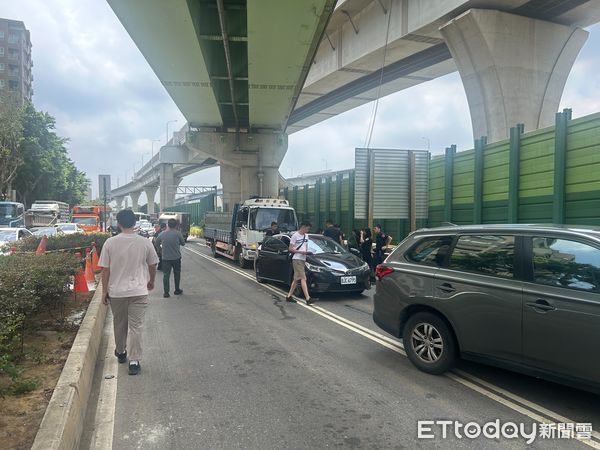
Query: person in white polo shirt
128, 263
299, 249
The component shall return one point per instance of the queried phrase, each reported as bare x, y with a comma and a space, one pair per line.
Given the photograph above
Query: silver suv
523, 297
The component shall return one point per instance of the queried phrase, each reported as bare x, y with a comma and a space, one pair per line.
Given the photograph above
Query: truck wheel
241, 260
213, 250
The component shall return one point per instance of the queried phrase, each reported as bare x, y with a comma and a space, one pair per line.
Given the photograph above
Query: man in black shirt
273, 230
380, 243
332, 232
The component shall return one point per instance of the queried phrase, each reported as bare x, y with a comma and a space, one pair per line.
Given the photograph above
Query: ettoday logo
435, 429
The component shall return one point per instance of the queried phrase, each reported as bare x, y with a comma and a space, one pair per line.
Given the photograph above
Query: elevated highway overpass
247, 74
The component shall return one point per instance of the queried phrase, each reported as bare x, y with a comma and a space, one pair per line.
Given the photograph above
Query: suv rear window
431, 251
485, 254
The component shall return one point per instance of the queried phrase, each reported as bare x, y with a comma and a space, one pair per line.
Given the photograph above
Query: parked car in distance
70, 228
144, 228
331, 268
522, 297
10, 235
47, 231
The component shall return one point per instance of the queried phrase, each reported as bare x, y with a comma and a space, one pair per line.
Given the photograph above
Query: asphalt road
229, 364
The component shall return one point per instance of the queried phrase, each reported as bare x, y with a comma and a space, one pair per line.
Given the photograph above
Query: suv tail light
381, 271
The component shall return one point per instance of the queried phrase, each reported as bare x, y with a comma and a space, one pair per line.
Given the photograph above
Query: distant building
15, 60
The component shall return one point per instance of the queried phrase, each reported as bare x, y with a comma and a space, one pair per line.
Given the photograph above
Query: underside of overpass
235, 69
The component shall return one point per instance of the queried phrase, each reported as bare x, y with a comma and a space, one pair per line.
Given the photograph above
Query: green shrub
29, 283
20, 387
65, 242
196, 231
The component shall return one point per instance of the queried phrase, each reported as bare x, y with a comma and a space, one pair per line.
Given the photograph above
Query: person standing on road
170, 241
162, 227
380, 243
366, 246
128, 263
333, 232
354, 240
299, 249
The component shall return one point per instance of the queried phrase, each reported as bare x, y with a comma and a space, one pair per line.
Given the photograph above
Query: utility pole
104, 212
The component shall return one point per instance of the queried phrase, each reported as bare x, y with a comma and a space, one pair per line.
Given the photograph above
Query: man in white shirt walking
128, 264
299, 249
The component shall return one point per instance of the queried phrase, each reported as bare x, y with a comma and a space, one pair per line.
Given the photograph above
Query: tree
47, 172
11, 135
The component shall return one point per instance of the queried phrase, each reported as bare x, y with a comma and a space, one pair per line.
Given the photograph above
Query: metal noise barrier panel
383, 177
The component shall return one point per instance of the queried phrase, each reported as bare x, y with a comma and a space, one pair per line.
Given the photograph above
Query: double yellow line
506, 398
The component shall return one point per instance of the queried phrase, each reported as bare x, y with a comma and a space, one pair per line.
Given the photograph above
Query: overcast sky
91, 77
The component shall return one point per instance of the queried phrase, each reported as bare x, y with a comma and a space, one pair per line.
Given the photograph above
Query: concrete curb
62, 424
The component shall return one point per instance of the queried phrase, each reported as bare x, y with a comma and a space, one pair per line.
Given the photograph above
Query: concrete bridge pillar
168, 186
151, 194
231, 178
513, 68
119, 201
135, 196
249, 162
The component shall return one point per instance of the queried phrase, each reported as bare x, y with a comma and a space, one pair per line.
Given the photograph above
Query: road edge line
62, 424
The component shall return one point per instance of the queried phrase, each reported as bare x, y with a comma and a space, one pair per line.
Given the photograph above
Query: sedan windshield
318, 245
68, 227
8, 236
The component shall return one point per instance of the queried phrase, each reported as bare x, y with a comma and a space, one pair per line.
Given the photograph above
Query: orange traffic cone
80, 284
95, 267
89, 273
41, 249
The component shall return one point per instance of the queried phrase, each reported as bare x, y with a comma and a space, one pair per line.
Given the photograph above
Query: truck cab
254, 218
12, 214
238, 235
90, 218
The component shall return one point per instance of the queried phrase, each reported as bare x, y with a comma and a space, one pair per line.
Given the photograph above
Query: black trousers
167, 265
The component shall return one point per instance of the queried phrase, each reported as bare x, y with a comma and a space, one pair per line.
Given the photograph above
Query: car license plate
348, 280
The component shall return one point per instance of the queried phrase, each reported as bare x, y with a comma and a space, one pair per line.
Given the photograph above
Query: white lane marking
104, 422
526, 407
548, 413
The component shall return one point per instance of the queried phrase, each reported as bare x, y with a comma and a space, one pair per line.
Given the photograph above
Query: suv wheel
429, 343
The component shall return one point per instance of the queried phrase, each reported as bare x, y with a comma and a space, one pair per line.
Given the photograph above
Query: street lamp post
143, 154
428, 143
170, 121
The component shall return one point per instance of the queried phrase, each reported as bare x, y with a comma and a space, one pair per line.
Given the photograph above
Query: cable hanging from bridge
376, 105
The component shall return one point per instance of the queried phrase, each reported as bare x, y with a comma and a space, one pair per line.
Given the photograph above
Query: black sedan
331, 268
